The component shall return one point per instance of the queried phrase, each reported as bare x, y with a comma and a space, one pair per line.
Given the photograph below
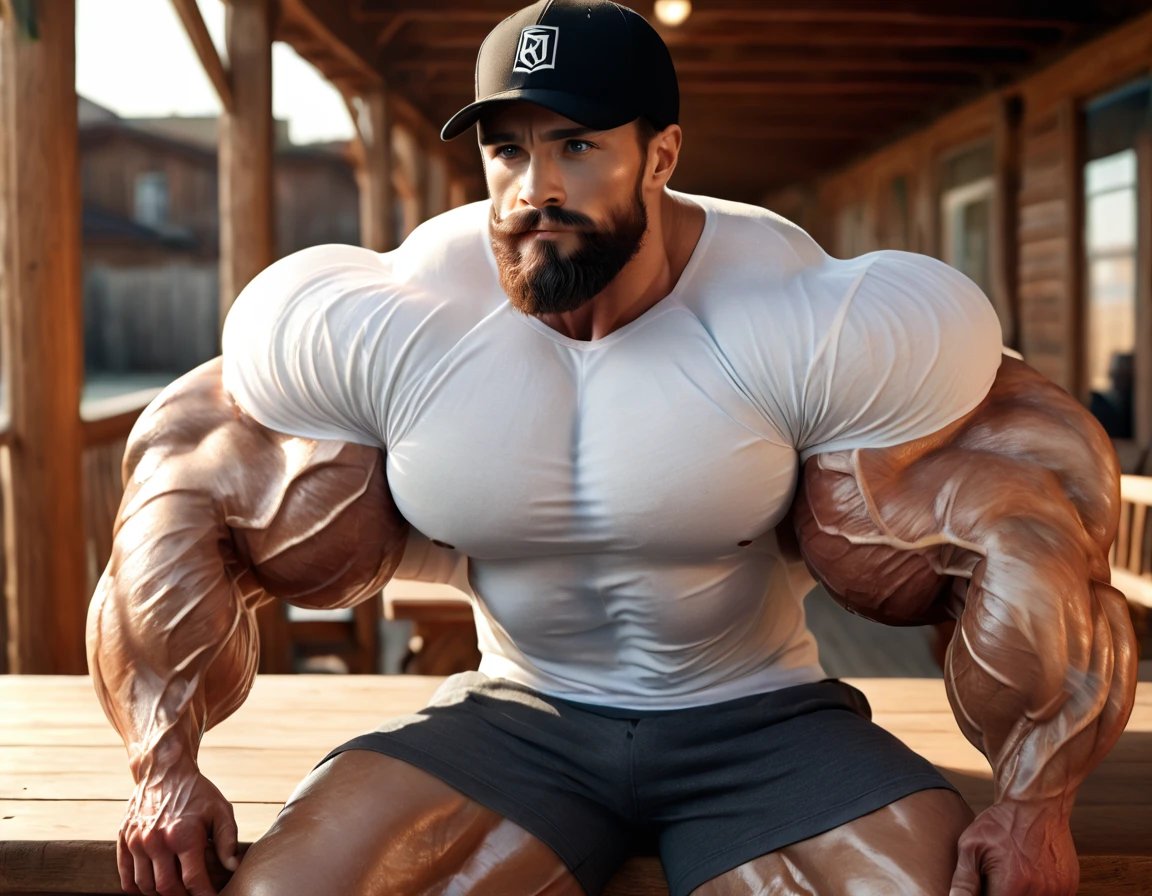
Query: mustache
520, 222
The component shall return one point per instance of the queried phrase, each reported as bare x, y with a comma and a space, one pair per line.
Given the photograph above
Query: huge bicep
335, 536
313, 520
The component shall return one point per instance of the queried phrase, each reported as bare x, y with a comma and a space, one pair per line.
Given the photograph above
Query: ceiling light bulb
673, 12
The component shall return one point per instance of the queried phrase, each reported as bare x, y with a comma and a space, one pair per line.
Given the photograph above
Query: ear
663, 152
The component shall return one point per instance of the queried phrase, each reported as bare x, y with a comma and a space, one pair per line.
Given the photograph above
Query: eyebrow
547, 136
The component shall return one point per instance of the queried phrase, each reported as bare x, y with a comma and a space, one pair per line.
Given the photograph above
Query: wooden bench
64, 779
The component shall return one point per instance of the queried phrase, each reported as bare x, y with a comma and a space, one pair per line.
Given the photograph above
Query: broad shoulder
755, 262
450, 250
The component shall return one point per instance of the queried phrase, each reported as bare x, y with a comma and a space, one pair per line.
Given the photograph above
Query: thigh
907, 847
367, 823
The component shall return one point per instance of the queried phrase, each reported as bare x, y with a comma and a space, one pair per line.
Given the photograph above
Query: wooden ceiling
773, 92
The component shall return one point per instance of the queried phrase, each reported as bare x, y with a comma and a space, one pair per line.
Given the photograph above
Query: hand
1017, 849
165, 833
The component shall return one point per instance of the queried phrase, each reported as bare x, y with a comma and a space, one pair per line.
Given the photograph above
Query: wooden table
64, 778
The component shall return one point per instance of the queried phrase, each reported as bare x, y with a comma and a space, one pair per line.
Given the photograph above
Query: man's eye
579, 146
506, 152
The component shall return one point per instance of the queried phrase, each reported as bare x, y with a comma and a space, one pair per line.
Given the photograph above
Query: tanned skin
1002, 519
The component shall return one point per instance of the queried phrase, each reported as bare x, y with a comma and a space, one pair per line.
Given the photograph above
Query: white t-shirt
595, 495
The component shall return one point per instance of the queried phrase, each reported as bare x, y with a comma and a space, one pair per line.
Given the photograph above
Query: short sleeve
902, 346
298, 344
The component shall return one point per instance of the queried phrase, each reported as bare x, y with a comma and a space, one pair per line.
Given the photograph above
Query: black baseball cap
596, 62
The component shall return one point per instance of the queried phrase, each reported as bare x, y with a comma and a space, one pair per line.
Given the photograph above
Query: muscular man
589, 403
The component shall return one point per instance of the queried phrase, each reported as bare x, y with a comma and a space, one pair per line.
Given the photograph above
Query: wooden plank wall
1043, 271
1045, 246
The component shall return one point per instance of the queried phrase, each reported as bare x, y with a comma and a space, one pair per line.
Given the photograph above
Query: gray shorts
706, 788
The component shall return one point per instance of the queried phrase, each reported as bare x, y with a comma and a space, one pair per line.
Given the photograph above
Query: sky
133, 57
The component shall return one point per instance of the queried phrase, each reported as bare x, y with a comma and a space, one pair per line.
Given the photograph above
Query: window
1110, 294
966, 214
1113, 124
151, 200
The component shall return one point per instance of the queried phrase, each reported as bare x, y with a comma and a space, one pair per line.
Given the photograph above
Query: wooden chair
292, 639
1131, 558
443, 631
443, 634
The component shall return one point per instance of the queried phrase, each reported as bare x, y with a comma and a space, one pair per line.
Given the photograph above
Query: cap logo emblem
537, 49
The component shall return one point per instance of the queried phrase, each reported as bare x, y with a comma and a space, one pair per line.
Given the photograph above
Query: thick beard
549, 282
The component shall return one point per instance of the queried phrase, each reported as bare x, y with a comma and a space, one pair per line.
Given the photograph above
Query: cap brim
581, 110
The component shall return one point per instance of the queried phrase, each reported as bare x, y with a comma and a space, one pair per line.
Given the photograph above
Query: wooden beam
461, 63
870, 34
467, 35
45, 591
742, 86
247, 237
1055, 15
393, 25
197, 32
350, 49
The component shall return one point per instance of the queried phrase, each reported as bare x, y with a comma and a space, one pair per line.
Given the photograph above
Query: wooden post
1005, 204
1072, 149
1142, 412
247, 237
45, 591
435, 182
377, 205
420, 179
457, 192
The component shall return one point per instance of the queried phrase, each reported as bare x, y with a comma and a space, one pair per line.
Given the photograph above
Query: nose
541, 184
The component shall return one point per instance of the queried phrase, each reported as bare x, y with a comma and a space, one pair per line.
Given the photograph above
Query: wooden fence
162, 318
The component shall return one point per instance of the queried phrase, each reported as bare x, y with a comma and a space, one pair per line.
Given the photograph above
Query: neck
674, 228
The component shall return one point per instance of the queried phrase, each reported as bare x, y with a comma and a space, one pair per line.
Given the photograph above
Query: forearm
172, 635
1041, 670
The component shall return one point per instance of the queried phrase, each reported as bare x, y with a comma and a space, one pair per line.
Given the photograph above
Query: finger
194, 871
226, 839
167, 875
190, 839
124, 864
141, 867
966, 879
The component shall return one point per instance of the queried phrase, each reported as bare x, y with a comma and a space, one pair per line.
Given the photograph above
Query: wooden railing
106, 424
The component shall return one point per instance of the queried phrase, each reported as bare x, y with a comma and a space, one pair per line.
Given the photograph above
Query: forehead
519, 117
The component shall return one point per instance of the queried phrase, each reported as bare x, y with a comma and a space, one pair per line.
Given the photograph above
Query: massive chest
522, 446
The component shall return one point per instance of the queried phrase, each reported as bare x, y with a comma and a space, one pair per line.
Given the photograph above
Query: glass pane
974, 255
967, 230
1111, 323
1111, 221
1110, 172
